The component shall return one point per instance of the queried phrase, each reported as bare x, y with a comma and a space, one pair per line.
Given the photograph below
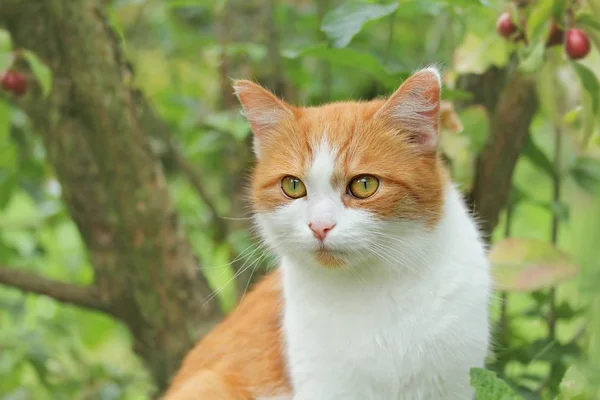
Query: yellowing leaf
527, 265
476, 54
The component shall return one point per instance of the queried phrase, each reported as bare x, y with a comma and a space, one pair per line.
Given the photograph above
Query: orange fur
411, 181
242, 358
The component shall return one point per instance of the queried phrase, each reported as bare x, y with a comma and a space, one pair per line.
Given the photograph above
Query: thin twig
82, 296
196, 181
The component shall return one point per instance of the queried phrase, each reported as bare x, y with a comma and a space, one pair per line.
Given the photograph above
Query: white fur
405, 319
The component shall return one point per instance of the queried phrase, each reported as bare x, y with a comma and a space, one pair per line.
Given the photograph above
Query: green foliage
357, 50
586, 172
40, 70
489, 387
343, 23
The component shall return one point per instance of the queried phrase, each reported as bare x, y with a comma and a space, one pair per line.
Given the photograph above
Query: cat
383, 286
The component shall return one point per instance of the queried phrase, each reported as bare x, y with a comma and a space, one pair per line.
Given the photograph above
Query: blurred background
124, 232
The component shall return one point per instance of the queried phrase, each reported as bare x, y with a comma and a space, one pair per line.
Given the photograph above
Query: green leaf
533, 58
476, 54
40, 70
588, 20
6, 60
534, 154
586, 173
564, 310
589, 82
8, 182
527, 265
559, 209
343, 23
559, 9
5, 42
456, 95
538, 22
345, 57
489, 387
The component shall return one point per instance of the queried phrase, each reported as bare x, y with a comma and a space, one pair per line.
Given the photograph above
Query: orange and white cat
384, 284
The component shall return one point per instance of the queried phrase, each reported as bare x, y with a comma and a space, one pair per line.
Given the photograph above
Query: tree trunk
95, 128
510, 99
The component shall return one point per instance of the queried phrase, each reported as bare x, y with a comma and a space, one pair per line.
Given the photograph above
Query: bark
95, 128
511, 102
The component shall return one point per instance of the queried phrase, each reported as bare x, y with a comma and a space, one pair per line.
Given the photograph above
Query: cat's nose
320, 229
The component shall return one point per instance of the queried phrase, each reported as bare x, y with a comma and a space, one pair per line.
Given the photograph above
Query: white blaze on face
324, 203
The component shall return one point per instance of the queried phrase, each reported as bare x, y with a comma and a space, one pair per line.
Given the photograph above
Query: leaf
565, 311
538, 157
6, 60
586, 173
346, 57
418, 8
489, 387
8, 183
585, 19
559, 9
533, 59
343, 23
40, 70
527, 265
539, 21
590, 83
5, 42
558, 208
476, 54
456, 95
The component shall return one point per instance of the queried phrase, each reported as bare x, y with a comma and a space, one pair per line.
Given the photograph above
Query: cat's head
336, 184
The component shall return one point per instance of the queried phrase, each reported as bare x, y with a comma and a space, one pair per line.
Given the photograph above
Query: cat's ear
263, 110
415, 107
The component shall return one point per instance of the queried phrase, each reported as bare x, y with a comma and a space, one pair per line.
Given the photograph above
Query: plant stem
555, 224
503, 334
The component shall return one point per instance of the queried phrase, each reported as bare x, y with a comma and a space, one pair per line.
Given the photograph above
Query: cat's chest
376, 355
377, 341
386, 331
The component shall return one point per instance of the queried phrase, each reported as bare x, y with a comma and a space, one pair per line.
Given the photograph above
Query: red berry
14, 81
577, 44
504, 26
555, 36
21, 86
8, 79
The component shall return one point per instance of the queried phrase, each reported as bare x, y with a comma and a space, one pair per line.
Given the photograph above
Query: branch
81, 296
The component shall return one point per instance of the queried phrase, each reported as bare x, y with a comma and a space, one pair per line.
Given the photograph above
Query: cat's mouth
330, 258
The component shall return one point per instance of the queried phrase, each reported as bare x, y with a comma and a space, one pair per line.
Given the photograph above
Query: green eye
293, 187
363, 186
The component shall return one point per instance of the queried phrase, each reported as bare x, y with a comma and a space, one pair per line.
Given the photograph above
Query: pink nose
320, 229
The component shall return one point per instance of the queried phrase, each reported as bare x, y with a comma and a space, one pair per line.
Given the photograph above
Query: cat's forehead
335, 124
334, 141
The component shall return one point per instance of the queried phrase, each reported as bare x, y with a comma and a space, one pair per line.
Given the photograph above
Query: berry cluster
14, 81
575, 41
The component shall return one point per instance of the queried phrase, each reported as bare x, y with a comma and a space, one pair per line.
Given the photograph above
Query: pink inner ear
262, 109
415, 107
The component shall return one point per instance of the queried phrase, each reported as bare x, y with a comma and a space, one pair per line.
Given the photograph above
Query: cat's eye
363, 186
293, 187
